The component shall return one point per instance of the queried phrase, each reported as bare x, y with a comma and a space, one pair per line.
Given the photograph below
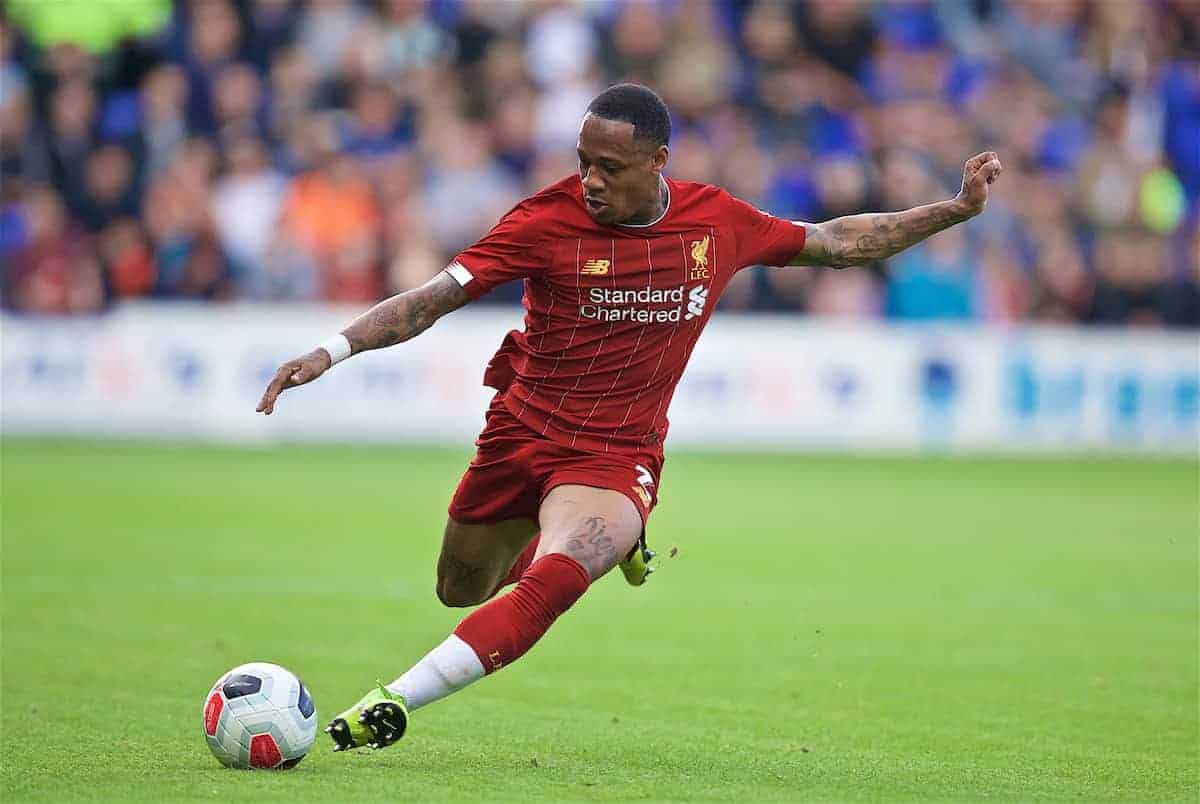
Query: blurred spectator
54, 270
214, 37
936, 279
128, 259
1043, 36
187, 254
294, 92
638, 40
1065, 288
237, 101
328, 31
1109, 173
411, 40
71, 138
344, 149
466, 191
110, 187
1004, 288
1130, 279
330, 220
245, 209
375, 127
846, 294
272, 27
22, 155
164, 126
1181, 302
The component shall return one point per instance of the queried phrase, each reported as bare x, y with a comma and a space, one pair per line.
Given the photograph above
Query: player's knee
457, 595
463, 582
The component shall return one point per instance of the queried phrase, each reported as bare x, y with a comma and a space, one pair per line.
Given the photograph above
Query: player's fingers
278, 382
976, 162
991, 170
267, 403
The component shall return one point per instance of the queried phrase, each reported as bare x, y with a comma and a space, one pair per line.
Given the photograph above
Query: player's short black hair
636, 104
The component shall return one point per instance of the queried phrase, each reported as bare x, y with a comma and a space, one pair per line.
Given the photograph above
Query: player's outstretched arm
860, 239
392, 321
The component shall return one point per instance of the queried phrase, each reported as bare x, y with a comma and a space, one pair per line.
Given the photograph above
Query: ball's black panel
305, 704
288, 764
241, 684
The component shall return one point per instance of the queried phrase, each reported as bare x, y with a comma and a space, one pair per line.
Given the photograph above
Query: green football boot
636, 565
376, 721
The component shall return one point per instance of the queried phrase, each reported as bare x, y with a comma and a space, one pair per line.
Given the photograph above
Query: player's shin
447, 668
497, 633
494, 635
501, 631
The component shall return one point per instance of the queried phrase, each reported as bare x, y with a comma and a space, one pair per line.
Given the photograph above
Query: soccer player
622, 268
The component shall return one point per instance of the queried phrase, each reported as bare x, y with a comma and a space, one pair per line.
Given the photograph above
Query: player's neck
652, 212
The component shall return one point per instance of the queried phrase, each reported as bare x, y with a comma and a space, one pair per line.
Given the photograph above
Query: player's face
620, 174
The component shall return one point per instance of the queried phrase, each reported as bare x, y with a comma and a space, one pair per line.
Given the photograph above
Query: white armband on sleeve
338, 348
459, 273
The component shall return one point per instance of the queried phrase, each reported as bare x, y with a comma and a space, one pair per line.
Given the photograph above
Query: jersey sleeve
761, 238
515, 248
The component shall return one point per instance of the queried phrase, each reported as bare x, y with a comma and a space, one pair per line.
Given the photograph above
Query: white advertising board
755, 382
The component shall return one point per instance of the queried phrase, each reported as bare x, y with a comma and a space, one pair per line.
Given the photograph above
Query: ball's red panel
263, 751
212, 713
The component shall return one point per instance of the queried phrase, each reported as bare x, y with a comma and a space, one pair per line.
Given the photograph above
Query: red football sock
503, 629
522, 563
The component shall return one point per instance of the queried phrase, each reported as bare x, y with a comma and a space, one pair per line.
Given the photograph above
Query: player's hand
302, 370
979, 172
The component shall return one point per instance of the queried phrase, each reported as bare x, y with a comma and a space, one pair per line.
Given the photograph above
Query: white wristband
338, 348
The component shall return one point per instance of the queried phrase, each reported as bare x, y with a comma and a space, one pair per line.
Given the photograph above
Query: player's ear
658, 160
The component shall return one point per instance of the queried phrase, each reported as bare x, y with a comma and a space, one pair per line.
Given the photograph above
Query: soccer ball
258, 715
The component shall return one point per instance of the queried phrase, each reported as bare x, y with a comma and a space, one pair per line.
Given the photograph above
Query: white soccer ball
258, 715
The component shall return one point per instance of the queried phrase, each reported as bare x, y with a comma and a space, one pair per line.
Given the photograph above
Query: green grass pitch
830, 629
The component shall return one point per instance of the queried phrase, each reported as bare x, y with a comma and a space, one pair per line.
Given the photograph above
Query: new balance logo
595, 268
697, 298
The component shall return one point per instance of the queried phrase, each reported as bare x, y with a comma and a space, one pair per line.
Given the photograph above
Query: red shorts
515, 468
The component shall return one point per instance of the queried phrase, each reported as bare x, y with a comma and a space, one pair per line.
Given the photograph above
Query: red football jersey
613, 312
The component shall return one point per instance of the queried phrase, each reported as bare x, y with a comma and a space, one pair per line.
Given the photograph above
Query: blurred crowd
344, 150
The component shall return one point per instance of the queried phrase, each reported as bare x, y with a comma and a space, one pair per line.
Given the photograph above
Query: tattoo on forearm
592, 547
406, 315
859, 239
